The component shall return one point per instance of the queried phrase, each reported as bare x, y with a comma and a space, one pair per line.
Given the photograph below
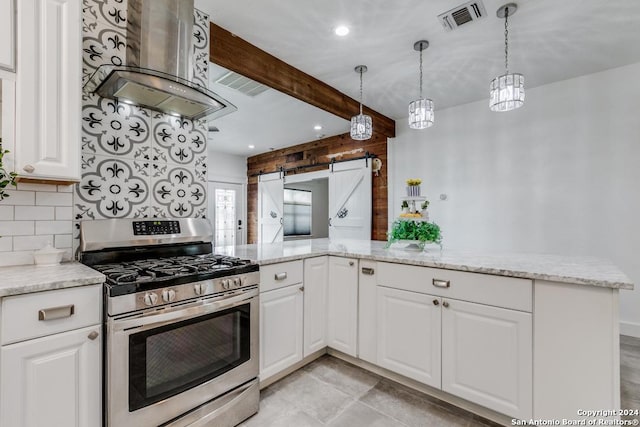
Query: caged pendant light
507, 90
361, 126
421, 110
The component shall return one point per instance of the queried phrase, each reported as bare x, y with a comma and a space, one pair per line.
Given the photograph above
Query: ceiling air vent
242, 84
463, 14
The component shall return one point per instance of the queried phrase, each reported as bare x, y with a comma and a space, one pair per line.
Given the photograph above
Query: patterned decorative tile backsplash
137, 162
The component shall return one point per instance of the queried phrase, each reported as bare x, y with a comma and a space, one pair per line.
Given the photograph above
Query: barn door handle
281, 220
329, 222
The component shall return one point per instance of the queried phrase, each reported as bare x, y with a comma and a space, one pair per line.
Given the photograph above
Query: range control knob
243, 281
150, 298
168, 295
225, 283
236, 282
200, 289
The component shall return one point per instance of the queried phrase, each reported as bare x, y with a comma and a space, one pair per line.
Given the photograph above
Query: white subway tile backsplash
16, 228
20, 198
16, 258
63, 241
26, 243
53, 227
64, 213
6, 244
54, 199
6, 213
65, 188
37, 187
35, 212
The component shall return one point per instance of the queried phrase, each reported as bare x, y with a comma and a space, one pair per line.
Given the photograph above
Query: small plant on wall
6, 178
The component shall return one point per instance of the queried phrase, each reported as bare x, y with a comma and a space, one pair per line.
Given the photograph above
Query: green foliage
422, 231
6, 178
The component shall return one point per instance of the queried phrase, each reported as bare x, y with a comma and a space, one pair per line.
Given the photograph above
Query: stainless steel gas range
181, 324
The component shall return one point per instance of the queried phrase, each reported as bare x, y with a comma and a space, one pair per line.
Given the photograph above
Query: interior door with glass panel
226, 213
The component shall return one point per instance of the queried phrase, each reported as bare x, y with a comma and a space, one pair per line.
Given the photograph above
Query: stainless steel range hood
159, 69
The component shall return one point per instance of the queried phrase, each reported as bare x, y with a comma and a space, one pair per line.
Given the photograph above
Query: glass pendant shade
506, 92
361, 127
421, 114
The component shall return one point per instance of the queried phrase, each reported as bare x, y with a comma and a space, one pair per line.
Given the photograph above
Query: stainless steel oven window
167, 360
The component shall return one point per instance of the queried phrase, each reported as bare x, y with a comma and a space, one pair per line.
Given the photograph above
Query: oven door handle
155, 319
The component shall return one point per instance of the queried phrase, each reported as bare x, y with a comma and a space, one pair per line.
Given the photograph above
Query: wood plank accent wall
236, 54
318, 152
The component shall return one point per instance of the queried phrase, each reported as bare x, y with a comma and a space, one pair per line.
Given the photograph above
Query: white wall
559, 175
225, 167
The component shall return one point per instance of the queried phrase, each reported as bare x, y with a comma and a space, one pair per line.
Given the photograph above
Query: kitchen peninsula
523, 336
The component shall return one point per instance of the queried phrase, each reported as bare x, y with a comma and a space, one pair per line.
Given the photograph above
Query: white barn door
350, 200
270, 208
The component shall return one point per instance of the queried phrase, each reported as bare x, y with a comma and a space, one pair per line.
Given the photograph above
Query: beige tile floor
330, 392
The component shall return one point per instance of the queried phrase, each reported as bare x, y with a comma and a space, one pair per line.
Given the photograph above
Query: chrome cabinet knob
351, 263
93, 335
150, 298
436, 302
28, 168
168, 295
445, 304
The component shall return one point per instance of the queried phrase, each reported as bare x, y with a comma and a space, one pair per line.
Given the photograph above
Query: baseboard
630, 328
310, 358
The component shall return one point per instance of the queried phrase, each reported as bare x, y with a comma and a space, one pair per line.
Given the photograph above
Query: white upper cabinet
48, 89
7, 35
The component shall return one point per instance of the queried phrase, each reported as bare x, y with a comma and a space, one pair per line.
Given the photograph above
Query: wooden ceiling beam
236, 54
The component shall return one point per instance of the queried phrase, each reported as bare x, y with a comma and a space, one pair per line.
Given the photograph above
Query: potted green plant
6, 178
419, 232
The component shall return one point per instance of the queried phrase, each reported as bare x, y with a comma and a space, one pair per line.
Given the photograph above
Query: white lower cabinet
281, 328
487, 356
409, 334
316, 276
342, 305
53, 381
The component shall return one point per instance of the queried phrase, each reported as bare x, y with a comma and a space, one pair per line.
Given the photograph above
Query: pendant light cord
506, 39
360, 91
420, 72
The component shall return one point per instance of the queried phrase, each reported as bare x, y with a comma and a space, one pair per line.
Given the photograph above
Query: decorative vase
413, 191
425, 214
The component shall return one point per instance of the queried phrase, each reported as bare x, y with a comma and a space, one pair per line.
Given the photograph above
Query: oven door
163, 363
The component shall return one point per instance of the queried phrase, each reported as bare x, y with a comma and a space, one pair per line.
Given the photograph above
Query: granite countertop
557, 268
24, 279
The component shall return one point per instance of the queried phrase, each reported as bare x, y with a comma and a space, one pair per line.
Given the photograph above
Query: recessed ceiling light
342, 30
251, 147
317, 127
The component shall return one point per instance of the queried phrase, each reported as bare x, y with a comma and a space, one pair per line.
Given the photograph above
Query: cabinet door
409, 334
342, 303
487, 356
316, 277
48, 90
7, 34
367, 311
280, 329
53, 381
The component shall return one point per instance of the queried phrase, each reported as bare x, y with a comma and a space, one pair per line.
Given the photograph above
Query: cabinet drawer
45, 313
275, 276
499, 291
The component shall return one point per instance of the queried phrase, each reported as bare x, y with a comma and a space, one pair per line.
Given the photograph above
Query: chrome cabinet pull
441, 283
368, 271
281, 276
93, 335
54, 313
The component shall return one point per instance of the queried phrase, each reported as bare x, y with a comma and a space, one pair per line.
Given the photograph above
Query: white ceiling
550, 40
269, 120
